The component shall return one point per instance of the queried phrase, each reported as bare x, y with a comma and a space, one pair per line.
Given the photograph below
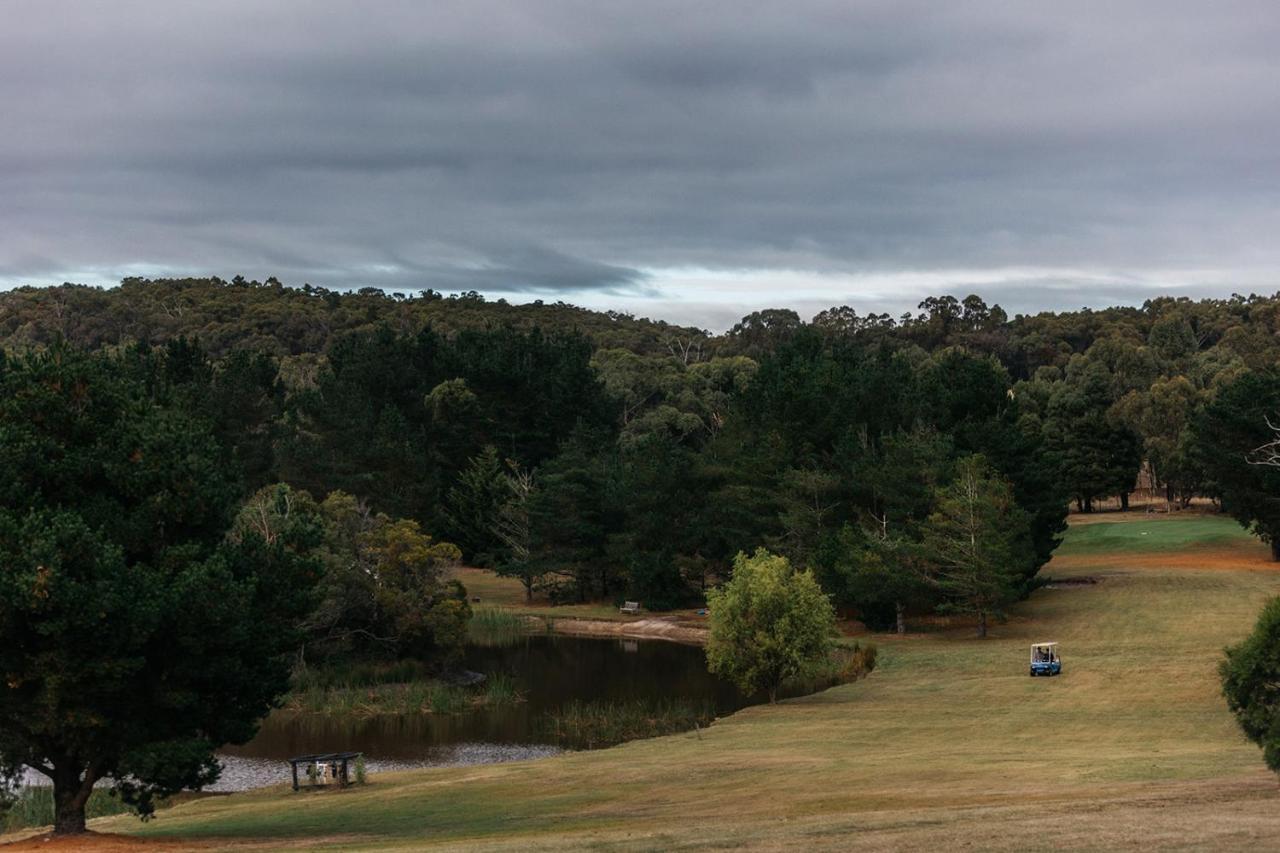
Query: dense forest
596, 455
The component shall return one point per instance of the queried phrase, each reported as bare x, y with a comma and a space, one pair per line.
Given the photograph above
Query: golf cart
1045, 660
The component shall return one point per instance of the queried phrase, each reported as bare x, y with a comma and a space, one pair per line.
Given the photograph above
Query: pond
549, 671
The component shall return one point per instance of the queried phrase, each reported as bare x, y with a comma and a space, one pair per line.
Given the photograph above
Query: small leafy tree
1251, 682
425, 613
975, 542
768, 623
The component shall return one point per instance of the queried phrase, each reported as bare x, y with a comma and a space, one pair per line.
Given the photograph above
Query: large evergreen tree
135, 636
974, 541
1231, 426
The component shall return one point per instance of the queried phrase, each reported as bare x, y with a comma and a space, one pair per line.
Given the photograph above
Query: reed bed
595, 725
494, 626
414, 697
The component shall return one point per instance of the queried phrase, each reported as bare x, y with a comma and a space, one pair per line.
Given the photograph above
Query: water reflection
548, 670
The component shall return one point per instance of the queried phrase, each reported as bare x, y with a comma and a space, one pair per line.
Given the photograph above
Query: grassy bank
507, 594
947, 744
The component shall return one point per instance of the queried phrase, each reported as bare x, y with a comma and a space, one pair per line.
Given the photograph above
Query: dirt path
650, 628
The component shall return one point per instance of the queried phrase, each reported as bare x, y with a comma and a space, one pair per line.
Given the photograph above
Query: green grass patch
1154, 536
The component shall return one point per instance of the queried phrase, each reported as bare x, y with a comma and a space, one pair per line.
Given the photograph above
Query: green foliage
115, 505
768, 623
1097, 457
572, 515
974, 541
495, 626
1232, 425
426, 615
384, 591
474, 506
288, 322
1251, 683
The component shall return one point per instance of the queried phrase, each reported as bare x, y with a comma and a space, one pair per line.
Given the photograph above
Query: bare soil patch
1217, 560
96, 842
674, 628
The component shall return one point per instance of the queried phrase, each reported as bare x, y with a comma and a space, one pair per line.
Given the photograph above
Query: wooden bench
631, 607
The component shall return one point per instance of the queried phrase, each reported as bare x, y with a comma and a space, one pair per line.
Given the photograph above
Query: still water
548, 670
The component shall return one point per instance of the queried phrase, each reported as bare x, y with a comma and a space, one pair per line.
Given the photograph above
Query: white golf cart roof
1042, 645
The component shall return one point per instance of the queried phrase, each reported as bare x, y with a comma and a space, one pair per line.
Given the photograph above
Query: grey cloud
575, 147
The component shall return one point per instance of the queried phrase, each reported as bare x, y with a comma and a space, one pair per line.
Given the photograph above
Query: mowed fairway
948, 745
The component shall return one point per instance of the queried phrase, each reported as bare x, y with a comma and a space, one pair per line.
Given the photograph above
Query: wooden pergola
334, 763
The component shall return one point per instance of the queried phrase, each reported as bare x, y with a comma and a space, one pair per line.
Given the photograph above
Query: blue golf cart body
1045, 659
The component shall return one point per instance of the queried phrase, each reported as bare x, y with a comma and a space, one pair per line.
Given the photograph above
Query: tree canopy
769, 623
135, 636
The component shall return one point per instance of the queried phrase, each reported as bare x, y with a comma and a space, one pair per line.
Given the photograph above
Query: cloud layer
629, 154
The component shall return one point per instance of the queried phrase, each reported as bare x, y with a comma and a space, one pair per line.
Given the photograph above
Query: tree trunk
70, 793
1088, 504
528, 590
902, 617
1124, 501
982, 624
1275, 549
1079, 504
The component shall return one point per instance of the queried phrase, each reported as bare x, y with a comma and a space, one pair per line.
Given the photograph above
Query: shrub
769, 624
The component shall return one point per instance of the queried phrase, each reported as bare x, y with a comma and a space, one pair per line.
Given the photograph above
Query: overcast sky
687, 160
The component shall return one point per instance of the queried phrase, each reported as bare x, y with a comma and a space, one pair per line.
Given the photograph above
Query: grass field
947, 745
508, 594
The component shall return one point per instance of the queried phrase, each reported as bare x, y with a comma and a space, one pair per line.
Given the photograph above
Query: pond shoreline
649, 628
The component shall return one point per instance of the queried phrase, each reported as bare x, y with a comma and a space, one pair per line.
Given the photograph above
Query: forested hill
598, 455
285, 321
281, 321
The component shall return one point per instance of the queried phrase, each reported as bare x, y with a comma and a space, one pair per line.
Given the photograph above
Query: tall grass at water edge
493, 626
595, 725
415, 697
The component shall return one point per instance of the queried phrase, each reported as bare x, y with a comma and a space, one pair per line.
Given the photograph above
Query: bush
769, 624
860, 663
1251, 683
